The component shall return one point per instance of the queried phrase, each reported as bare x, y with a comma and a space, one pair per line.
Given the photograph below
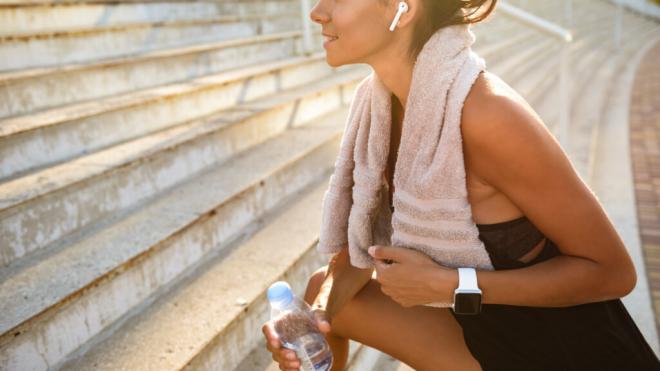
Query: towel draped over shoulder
431, 210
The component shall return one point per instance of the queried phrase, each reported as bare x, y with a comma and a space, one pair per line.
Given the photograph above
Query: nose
319, 14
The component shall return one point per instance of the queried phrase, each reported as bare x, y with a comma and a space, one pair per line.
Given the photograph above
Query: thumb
385, 253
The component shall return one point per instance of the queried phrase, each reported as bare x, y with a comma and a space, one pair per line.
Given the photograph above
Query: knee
314, 284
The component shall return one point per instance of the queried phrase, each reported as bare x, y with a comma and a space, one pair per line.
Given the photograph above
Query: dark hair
441, 13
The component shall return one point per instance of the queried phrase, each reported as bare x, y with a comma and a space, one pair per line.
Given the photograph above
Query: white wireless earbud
403, 7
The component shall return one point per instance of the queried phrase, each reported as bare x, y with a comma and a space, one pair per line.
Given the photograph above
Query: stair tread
49, 281
75, 111
10, 76
170, 334
17, 191
122, 27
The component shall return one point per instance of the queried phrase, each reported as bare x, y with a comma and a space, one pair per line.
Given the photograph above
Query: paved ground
645, 152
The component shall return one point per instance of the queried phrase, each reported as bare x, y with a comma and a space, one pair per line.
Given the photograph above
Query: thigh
426, 338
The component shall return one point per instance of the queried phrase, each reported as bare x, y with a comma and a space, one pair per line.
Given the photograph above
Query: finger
290, 360
289, 355
324, 327
387, 252
293, 367
379, 265
384, 263
271, 336
273, 346
267, 330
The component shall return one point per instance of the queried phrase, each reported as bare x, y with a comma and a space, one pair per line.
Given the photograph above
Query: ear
406, 18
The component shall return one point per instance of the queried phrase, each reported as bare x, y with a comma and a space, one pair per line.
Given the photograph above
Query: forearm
341, 283
557, 282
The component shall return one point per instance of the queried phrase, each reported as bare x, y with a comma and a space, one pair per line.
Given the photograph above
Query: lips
327, 37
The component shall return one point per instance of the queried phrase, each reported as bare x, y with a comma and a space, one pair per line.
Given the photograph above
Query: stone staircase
163, 162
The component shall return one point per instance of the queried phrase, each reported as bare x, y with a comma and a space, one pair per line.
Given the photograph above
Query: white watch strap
467, 279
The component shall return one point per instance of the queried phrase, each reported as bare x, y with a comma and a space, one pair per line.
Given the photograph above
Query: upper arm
510, 148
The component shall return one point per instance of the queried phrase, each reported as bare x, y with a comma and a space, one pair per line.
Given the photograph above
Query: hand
286, 358
411, 277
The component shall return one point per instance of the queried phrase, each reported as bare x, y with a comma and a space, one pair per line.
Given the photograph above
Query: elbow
625, 280
632, 280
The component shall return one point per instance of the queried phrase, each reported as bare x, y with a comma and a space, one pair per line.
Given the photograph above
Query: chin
332, 62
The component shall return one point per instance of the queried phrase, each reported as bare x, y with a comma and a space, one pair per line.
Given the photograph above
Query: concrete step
38, 209
30, 90
589, 89
36, 140
360, 358
389, 363
209, 322
535, 45
535, 84
22, 17
552, 11
80, 291
500, 49
364, 358
583, 135
89, 44
605, 40
513, 65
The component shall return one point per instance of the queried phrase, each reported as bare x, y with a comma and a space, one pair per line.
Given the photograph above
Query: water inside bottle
299, 333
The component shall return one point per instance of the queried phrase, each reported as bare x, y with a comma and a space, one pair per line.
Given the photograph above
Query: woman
552, 301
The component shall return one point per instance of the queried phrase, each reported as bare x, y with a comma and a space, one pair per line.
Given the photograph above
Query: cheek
358, 30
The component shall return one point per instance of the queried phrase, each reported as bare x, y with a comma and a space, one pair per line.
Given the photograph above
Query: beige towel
431, 210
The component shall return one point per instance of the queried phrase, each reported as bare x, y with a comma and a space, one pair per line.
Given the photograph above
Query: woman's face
361, 28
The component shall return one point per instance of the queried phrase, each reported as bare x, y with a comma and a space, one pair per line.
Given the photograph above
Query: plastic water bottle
296, 327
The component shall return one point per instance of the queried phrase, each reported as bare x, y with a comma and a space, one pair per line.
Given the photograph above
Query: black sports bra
512, 239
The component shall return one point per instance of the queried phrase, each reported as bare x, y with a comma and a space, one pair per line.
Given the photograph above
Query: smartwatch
467, 296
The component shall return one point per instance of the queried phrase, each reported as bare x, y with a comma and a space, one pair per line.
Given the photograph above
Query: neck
396, 75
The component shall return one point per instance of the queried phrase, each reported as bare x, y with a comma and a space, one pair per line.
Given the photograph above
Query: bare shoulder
509, 147
494, 114
491, 103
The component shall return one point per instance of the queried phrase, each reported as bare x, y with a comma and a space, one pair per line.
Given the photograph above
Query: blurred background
162, 162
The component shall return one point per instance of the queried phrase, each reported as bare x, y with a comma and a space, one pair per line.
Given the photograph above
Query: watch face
467, 303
